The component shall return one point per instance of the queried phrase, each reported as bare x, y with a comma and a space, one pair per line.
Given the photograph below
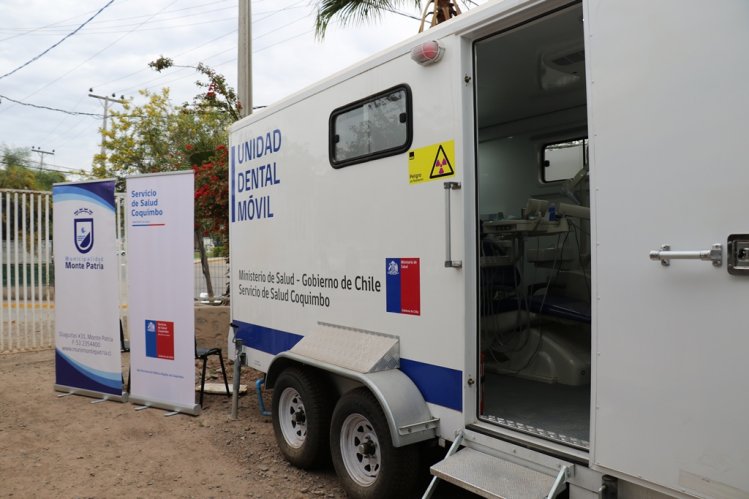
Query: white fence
27, 298
27, 270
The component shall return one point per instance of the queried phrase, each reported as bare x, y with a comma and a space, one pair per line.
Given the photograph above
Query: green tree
219, 95
18, 173
46, 178
158, 136
15, 157
357, 11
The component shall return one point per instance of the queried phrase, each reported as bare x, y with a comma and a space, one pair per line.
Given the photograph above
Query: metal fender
405, 409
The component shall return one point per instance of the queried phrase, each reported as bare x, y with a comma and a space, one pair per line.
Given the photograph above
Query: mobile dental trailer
520, 236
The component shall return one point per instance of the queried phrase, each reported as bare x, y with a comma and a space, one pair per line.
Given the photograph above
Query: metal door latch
738, 254
665, 255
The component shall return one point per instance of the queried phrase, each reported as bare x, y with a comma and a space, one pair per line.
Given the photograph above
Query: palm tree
349, 11
442, 11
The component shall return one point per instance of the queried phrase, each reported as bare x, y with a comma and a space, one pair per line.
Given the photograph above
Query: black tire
367, 463
301, 414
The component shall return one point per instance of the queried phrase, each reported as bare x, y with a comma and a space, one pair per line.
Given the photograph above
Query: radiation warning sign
431, 162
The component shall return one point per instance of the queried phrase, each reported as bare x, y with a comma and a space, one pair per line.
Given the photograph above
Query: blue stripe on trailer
439, 385
265, 339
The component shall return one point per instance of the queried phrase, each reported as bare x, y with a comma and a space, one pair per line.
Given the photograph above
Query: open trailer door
668, 108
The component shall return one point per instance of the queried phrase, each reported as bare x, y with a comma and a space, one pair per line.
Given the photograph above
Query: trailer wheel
301, 417
364, 457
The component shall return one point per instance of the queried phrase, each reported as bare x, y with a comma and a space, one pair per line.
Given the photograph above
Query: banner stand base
71, 390
192, 410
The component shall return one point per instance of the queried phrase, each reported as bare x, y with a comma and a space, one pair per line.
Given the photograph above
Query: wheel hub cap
367, 449
292, 418
360, 449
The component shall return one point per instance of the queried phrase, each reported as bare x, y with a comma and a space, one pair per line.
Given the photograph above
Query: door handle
449, 262
665, 255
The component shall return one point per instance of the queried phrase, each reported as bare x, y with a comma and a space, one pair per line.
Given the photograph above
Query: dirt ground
54, 446
69, 447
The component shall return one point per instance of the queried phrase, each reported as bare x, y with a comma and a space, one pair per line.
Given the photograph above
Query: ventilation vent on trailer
570, 59
562, 68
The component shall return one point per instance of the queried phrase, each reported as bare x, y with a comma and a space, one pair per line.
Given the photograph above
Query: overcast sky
110, 54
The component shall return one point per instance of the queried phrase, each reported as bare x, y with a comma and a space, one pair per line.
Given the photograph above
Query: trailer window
563, 160
371, 128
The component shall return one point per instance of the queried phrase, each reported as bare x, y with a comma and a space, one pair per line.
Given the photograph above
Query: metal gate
27, 298
27, 301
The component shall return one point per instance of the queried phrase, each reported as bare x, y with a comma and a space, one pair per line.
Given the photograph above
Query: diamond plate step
492, 477
358, 350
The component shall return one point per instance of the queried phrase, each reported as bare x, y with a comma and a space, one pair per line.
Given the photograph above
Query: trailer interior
533, 215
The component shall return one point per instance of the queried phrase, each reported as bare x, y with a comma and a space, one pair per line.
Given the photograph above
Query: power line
48, 108
25, 163
283, 41
233, 31
233, 59
276, 30
106, 26
190, 75
145, 84
114, 30
256, 19
58, 24
223, 52
106, 100
163, 76
65, 118
403, 14
42, 153
27, 31
83, 128
96, 54
76, 113
110, 24
269, 13
58, 43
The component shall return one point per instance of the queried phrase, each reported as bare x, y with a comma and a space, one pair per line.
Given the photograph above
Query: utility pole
41, 155
244, 58
106, 100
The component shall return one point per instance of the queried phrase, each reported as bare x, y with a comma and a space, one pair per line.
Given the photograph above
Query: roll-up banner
161, 311
87, 341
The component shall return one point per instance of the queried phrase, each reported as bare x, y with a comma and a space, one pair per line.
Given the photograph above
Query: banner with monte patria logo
161, 310
87, 342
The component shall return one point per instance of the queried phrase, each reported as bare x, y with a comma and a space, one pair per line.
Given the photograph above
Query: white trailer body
476, 243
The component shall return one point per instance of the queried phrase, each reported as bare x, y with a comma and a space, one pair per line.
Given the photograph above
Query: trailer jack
239, 358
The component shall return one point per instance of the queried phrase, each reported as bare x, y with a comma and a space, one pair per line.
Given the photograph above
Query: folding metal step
494, 477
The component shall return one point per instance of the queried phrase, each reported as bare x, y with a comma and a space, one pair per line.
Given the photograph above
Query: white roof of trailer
472, 21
